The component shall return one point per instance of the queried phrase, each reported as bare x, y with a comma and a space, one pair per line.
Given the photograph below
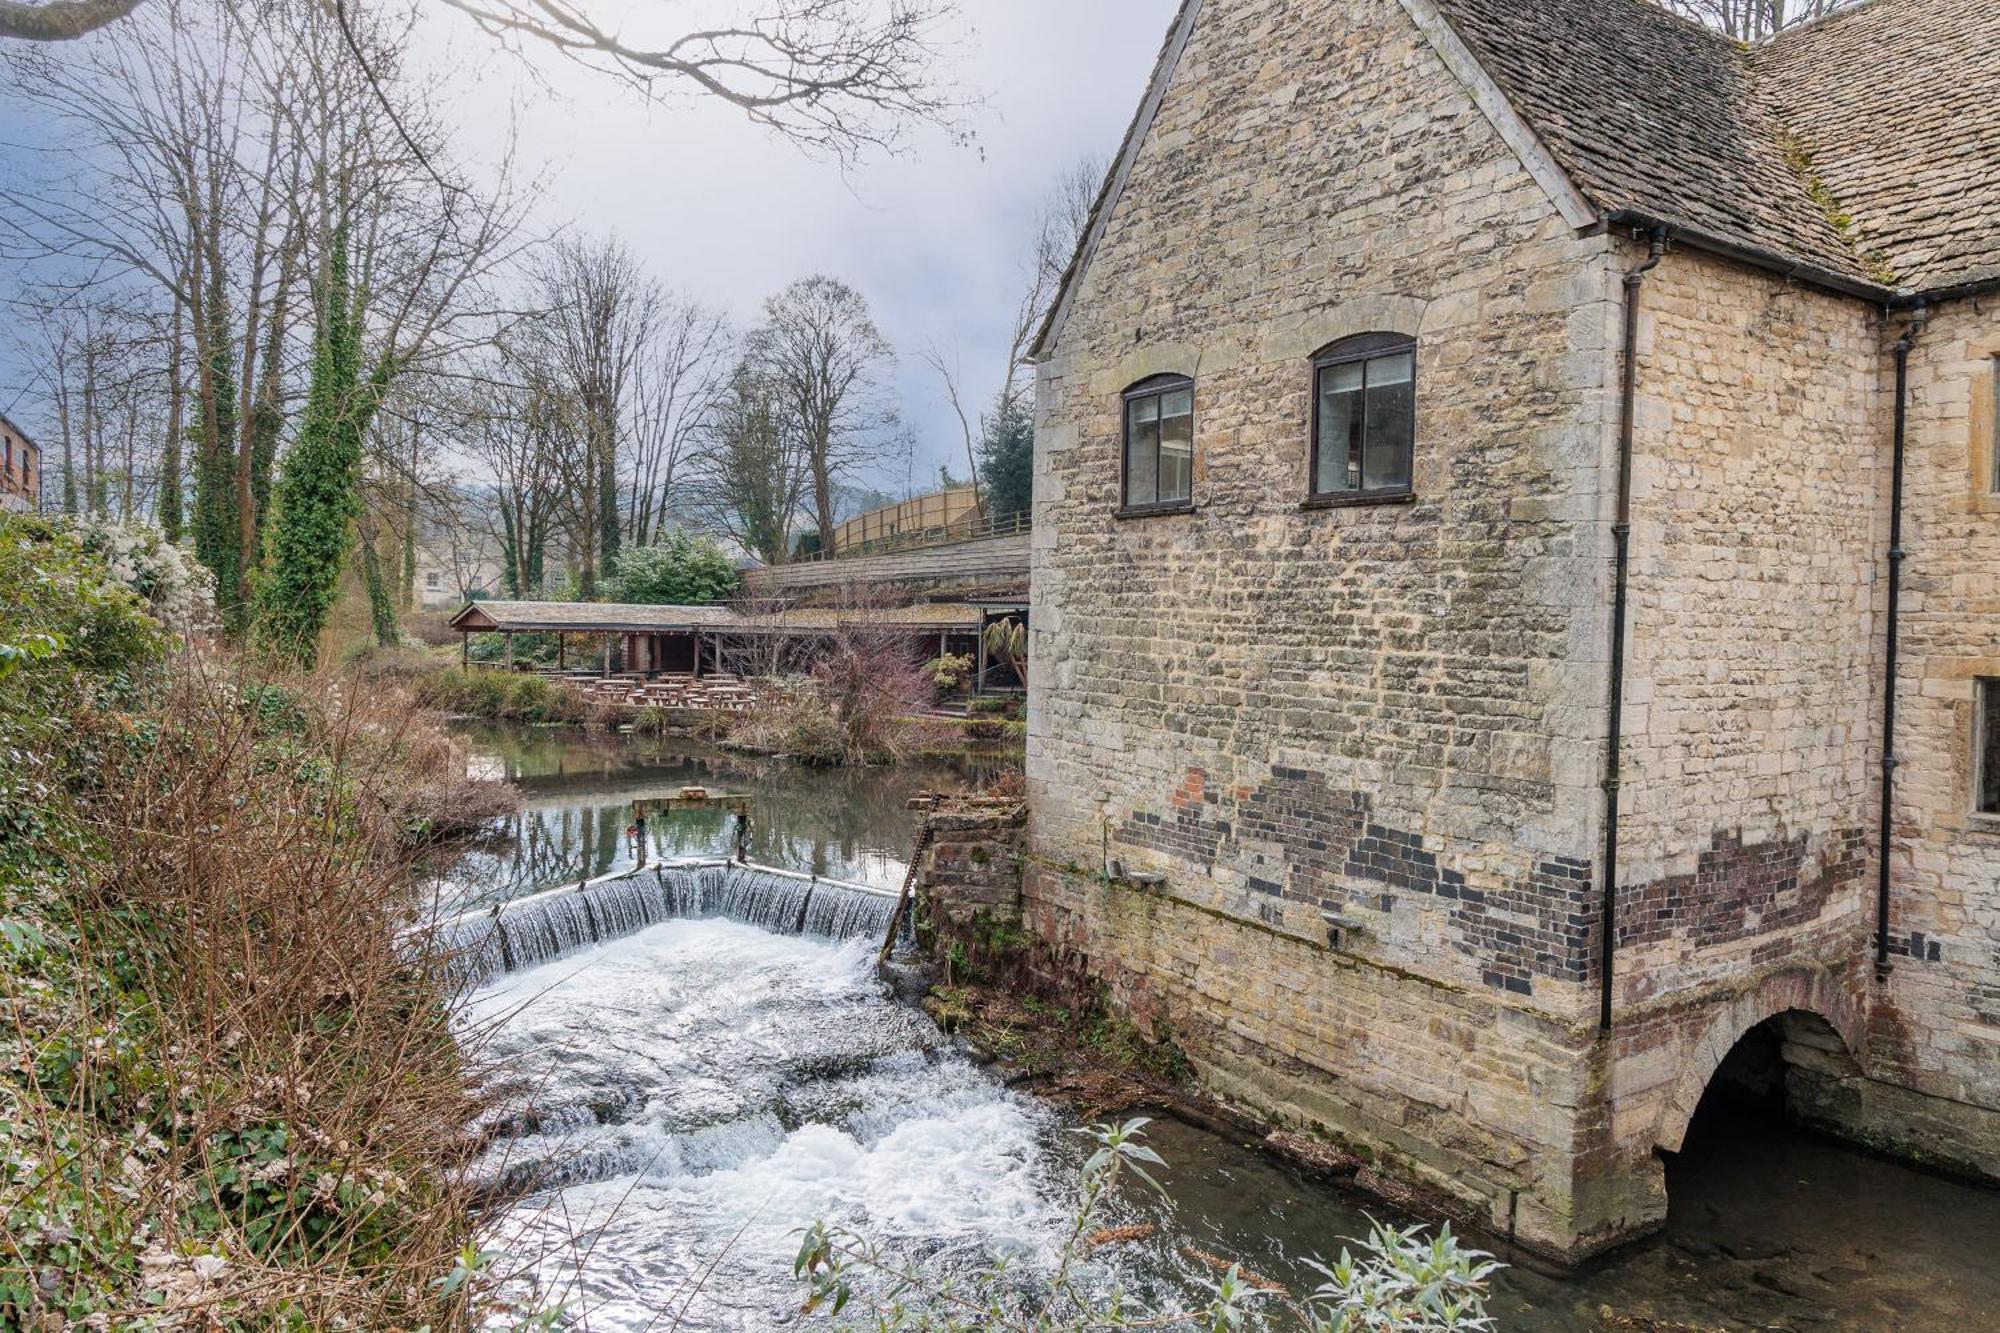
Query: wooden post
697, 654
607, 656
510, 650
979, 678
464, 650
562, 652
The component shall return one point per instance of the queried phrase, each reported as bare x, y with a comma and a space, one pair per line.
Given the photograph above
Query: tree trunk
169, 504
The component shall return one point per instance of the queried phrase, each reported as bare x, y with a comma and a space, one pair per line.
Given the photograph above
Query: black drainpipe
1903, 345
1621, 537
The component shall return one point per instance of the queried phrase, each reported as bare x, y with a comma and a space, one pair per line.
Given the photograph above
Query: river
680, 1101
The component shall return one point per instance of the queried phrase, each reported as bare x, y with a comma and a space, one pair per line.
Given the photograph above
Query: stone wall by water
1320, 788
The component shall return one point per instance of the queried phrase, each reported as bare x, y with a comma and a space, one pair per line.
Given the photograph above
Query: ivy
318, 497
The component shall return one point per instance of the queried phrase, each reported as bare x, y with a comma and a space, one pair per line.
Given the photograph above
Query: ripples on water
688, 1097
683, 1099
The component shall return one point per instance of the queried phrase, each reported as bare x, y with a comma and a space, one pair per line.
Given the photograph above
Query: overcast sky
720, 209
934, 238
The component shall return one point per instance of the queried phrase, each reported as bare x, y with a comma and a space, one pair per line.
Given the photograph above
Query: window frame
1346, 351
1153, 386
1984, 690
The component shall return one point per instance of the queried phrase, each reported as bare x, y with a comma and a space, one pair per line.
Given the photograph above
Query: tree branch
62, 20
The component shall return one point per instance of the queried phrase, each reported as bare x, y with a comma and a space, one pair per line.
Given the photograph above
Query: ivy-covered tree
318, 496
681, 569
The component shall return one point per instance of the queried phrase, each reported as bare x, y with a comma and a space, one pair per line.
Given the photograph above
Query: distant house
453, 568
1517, 584
20, 470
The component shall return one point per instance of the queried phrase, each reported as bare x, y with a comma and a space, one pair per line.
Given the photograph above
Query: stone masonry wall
1935, 1027
1391, 716
1746, 842
970, 872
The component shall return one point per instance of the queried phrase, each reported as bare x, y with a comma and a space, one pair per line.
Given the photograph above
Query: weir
531, 931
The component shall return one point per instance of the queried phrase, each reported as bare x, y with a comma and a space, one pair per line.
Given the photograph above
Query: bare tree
823, 358
837, 77
750, 474
597, 311
951, 374
681, 378
1749, 20
1060, 221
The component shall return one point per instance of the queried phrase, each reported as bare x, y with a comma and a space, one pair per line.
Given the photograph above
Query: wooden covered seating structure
711, 657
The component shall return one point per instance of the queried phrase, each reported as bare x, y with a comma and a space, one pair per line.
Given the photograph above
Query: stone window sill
1358, 501
1155, 511
1983, 821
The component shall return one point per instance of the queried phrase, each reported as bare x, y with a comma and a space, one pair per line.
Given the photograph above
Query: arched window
1159, 445
1364, 417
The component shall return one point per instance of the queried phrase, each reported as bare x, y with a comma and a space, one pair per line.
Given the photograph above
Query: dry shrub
252, 1104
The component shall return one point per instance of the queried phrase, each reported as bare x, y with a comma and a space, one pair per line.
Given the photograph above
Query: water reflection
577, 790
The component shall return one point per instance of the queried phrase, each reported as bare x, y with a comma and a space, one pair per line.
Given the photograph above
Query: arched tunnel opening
1764, 1197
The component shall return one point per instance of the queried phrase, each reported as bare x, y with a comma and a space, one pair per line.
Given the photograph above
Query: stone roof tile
1865, 145
1897, 104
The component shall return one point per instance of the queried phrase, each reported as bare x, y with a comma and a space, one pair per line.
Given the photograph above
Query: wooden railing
972, 529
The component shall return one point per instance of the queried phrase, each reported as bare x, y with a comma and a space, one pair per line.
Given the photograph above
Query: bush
681, 569
950, 672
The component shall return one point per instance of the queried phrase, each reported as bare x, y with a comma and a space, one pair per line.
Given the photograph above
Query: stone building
20, 470
1410, 344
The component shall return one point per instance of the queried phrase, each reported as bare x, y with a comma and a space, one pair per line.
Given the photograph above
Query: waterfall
531, 931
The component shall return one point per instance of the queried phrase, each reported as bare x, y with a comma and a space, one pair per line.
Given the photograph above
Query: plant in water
1399, 1282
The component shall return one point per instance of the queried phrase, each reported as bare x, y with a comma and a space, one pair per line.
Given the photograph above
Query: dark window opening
1364, 418
1159, 445
1987, 706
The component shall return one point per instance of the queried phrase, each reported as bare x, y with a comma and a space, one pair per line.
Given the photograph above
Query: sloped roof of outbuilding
615, 618
1860, 151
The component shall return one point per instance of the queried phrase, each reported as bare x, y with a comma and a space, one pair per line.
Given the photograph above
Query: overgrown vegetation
504, 696
862, 704
318, 485
1400, 1282
234, 1099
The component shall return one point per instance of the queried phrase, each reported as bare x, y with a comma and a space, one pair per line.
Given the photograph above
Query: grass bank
233, 1098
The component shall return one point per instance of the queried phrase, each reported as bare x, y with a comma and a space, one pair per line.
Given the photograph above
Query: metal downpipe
1892, 638
1621, 538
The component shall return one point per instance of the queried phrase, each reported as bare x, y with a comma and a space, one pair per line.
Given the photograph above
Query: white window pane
1145, 409
1397, 369
1176, 457
1339, 452
1142, 458
1179, 403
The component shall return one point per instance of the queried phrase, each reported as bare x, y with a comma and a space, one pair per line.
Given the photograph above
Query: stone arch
1816, 1004
1299, 339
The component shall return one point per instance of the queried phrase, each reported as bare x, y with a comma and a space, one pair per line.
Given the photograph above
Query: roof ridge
1771, 40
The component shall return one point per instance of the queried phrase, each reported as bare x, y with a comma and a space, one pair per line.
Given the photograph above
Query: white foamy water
687, 1097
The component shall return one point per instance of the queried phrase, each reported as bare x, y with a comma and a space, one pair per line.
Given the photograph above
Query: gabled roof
1860, 152
22, 435
1655, 114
